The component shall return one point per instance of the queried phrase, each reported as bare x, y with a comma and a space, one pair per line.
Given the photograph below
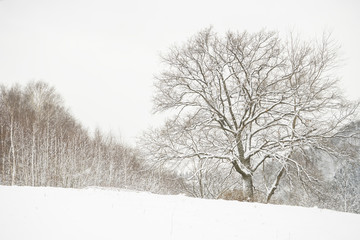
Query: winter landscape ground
56, 213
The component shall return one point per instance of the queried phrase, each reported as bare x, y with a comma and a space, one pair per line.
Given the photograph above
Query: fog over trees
254, 117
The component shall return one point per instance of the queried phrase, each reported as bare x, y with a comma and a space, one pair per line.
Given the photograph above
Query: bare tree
250, 101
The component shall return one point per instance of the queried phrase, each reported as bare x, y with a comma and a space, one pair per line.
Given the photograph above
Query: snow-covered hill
55, 213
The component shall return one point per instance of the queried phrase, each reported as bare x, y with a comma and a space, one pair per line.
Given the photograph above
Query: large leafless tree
249, 101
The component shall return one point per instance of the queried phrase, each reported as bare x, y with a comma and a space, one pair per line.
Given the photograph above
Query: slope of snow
55, 213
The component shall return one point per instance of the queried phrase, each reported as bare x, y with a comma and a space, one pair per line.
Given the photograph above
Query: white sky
101, 55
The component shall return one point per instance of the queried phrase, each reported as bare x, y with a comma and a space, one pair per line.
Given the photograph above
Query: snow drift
55, 213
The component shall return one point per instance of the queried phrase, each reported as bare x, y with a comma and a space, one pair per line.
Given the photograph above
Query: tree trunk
33, 157
248, 188
245, 173
275, 184
12, 149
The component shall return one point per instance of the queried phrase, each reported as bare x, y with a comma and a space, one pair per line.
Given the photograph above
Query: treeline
42, 144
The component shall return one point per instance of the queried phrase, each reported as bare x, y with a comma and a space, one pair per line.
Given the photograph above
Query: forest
42, 144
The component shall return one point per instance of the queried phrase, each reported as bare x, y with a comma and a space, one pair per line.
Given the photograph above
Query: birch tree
249, 100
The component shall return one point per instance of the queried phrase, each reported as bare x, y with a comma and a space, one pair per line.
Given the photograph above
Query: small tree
248, 100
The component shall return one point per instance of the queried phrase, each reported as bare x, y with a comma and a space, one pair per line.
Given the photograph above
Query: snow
56, 213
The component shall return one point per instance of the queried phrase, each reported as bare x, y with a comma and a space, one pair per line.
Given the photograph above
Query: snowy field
55, 213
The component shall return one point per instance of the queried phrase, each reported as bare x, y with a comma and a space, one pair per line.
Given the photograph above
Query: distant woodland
42, 144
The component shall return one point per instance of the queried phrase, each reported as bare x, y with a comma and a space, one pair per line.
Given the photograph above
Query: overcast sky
101, 55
